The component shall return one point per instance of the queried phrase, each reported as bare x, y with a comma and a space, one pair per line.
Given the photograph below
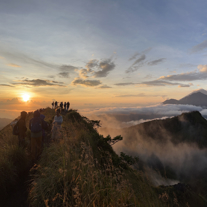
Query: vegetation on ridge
82, 169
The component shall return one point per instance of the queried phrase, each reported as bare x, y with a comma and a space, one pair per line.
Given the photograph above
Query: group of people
66, 105
37, 126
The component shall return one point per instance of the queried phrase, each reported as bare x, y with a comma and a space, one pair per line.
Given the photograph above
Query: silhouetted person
21, 128
43, 130
65, 106
56, 125
61, 105
53, 104
36, 126
56, 104
68, 105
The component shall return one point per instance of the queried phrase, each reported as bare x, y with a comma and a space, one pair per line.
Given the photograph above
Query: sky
100, 54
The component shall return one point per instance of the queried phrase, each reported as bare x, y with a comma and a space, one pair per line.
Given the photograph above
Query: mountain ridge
196, 98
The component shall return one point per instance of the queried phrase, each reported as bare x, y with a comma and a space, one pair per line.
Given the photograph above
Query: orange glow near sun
25, 97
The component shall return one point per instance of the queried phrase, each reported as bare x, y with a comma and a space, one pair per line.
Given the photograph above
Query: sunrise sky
97, 54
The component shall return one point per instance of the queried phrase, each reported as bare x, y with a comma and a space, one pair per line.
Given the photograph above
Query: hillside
186, 128
196, 98
173, 149
81, 169
4, 122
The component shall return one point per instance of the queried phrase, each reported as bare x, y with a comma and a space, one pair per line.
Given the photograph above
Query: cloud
199, 47
138, 95
104, 86
158, 83
68, 68
126, 114
190, 76
6, 85
124, 84
95, 68
39, 82
134, 56
155, 62
91, 64
86, 83
22, 58
202, 68
51, 76
185, 85
105, 66
14, 65
64, 75
83, 73
25, 59
154, 83
137, 64
143, 57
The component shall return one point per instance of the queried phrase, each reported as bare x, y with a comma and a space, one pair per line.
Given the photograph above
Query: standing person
58, 119
53, 104
43, 130
65, 106
61, 105
36, 125
68, 105
20, 129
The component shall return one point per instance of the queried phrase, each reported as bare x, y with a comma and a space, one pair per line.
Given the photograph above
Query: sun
25, 97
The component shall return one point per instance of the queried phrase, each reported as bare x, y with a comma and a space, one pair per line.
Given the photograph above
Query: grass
80, 168
14, 161
83, 170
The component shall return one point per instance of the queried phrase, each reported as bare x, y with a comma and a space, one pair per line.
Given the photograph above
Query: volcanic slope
80, 169
197, 99
186, 128
175, 149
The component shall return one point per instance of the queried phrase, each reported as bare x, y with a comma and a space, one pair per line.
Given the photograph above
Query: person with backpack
36, 125
68, 105
42, 116
58, 119
20, 129
65, 106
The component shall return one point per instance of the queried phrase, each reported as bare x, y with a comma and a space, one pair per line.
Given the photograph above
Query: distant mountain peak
197, 98
199, 90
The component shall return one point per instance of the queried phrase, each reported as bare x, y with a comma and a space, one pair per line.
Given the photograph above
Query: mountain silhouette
196, 98
188, 127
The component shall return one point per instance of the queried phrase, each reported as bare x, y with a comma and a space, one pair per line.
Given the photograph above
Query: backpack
36, 125
16, 129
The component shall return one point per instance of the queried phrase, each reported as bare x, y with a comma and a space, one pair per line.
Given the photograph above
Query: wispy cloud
6, 85
64, 75
86, 83
155, 62
190, 76
104, 86
200, 47
14, 65
137, 63
139, 95
134, 56
125, 84
162, 83
97, 69
105, 66
38, 82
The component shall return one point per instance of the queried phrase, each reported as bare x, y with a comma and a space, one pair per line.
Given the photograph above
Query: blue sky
100, 52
